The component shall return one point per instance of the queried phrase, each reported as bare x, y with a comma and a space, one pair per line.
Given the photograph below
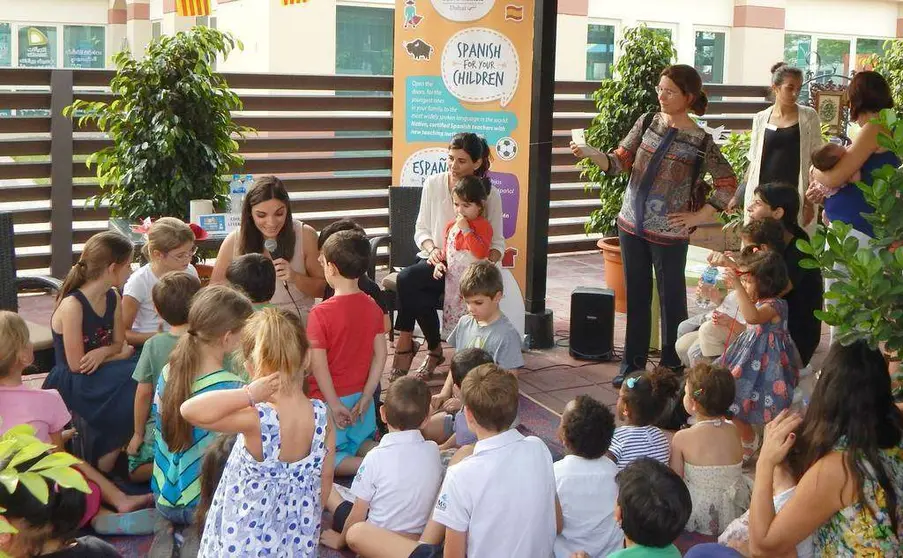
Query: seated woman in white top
267, 215
419, 293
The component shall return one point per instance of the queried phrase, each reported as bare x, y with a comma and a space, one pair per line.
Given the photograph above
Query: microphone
272, 247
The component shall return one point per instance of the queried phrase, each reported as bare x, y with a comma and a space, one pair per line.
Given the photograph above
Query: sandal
397, 370
428, 368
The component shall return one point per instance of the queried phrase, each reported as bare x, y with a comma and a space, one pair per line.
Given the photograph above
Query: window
364, 40
6, 45
797, 50
600, 52
37, 47
156, 29
84, 46
709, 60
865, 48
833, 57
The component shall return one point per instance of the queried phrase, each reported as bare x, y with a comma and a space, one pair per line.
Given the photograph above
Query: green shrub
171, 125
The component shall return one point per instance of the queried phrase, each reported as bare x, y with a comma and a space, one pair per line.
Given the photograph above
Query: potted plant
620, 102
171, 126
866, 302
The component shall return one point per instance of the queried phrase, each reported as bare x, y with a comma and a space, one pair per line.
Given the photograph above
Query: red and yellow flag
290, 2
193, 7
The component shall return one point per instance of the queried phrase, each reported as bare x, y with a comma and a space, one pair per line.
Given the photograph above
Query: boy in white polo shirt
510, 476
396, 484
586, 484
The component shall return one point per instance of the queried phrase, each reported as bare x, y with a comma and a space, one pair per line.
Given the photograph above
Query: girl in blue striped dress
641, 402
195, 367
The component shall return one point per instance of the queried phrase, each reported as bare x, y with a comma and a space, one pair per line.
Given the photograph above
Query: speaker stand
539, 330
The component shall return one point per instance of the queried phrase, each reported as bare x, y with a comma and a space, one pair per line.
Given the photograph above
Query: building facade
729, 41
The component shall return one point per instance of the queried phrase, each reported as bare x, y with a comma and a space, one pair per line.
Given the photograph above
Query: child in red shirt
348, 342
467, 239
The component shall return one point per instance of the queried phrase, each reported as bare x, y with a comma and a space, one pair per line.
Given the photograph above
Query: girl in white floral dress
467, 239
269, 499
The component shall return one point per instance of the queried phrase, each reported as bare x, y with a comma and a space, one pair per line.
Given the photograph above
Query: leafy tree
171, 126
890, 65
620, 102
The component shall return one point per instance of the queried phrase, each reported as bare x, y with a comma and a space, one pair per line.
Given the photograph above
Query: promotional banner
466, 66
83, 46
37, 47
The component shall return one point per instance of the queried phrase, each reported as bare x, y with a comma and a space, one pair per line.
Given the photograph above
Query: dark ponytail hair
786, 197
687, 79
473, 189
476, 147
100, 252
646, 394
781, 71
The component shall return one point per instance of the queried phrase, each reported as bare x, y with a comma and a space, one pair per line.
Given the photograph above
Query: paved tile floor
551, 377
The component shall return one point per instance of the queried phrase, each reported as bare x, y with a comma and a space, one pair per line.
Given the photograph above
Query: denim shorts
178, 516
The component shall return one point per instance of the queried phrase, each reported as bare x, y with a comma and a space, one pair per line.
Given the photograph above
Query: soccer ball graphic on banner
506, 148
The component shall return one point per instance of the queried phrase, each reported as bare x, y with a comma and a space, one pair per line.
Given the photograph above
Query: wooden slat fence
327, 137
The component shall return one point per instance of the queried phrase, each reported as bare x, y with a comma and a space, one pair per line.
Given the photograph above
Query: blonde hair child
196, 366
93, 363
281, 469
169, 247
44, 410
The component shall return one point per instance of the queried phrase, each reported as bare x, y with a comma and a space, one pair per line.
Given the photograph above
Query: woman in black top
782, 202
783, 138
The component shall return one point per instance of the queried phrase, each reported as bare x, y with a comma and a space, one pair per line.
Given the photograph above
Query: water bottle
709, 278
236, 194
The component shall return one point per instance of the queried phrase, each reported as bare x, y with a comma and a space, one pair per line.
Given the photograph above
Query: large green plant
890, 65
171, 126
620, 102
19, 445
866, 302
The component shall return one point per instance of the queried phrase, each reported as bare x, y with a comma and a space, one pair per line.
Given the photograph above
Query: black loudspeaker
592, 323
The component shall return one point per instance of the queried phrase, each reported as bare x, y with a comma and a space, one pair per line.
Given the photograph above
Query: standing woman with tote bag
667, 155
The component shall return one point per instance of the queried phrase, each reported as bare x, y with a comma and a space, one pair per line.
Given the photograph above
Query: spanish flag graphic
193, 7
513, 12
290, 2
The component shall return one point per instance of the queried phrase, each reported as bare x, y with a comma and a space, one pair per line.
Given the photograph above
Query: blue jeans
178, 516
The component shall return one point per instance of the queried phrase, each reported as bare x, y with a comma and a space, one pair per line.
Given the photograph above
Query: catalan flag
290, 2
513, 12
193, 7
